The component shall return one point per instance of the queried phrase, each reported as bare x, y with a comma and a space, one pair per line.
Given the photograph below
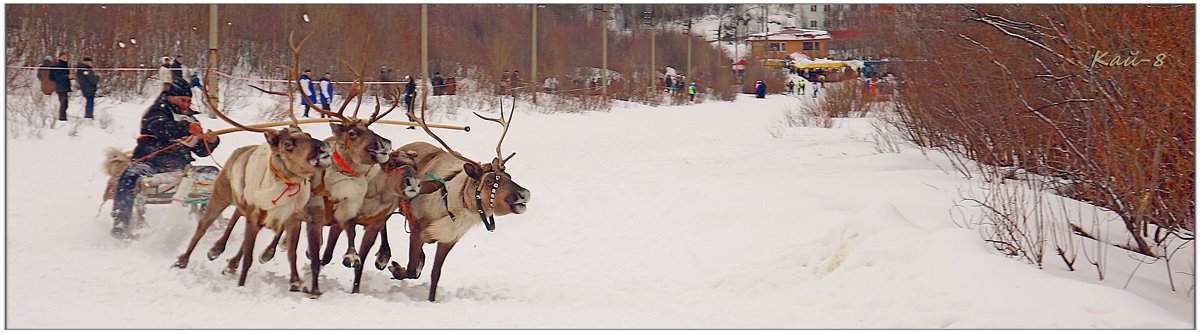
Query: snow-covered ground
705, 216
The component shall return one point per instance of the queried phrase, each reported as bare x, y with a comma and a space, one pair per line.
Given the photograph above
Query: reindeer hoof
267, 255
231, 270
297, 286
351, 261
398, 271
215, 252
312, 294
382, 262
181, 264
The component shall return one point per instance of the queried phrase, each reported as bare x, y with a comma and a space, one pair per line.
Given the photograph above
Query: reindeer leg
219, 246
385, 250
351, 258
438, 259
220, 198
416, 258
269, 252
232, 267
252, 227
314, 243
368, 241
293, 232
334, 231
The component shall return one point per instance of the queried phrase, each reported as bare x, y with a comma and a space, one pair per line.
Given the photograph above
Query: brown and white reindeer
269, 184
388, 188
472, 193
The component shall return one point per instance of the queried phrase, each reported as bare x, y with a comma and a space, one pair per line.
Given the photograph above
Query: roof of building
793, 34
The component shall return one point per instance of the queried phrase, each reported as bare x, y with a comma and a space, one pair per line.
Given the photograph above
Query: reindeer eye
353, 134
289, 144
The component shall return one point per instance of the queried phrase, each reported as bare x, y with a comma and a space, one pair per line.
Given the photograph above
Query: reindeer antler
500, 159
421, 121
212, 105
376, 116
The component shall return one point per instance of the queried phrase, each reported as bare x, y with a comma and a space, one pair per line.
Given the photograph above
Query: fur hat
179, 88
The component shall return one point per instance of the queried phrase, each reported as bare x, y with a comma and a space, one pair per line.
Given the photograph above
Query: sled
190, 187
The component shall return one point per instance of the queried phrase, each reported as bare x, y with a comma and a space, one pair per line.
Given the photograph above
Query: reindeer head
402, 174
496, 193
360, 143
299, 151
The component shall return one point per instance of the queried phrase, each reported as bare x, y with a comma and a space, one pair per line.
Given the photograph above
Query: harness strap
442, 188
285, 180
489, 221
342, 163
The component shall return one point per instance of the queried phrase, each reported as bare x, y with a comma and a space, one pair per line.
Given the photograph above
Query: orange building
777, 44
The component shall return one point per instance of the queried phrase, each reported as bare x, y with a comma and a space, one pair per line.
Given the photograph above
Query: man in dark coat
410, 92
438, 83
88, 80
169, 136
177, 68
61, 76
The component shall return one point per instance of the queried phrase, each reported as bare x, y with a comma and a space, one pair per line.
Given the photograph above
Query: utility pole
424, 53
212, 56
533, 51
689, 49
653, 69
604, 48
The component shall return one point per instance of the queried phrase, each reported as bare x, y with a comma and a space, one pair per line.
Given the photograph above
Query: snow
713, 215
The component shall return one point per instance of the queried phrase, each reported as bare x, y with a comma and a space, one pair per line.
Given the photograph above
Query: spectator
691, 90
760, 89
43, 75
309, 91
326, 92
195, 81
504, 83
438, 83
515, 82
164, 73
410, 92
177, 68
169, 136
801, 86
61, 76
88, 80
790, 85
385, 85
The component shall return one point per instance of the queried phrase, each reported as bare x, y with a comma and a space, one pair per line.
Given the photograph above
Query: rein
285, 180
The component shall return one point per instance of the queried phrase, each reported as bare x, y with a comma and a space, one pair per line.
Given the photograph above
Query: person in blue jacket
760, 89
306, 83
325, 88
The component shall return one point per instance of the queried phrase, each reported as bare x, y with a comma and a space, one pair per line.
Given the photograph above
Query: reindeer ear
272, 137
338, 128
472, 171
411, 153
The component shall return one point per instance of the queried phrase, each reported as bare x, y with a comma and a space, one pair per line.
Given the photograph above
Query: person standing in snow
88, 80
760, 89
164, 73
503, 83
790, 85
61, 76
816, 88
515, 82
410, 93
801, 87
177, 68
437, 82
170, 134
325, 91
309, 90
691, 90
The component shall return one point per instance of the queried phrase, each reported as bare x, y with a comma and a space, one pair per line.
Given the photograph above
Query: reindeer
388, 188
469, 188
284, 164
